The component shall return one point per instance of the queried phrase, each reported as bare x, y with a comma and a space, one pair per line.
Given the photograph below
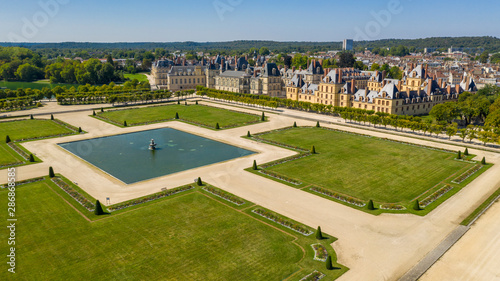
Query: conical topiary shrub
416, 207
102, 109
51, 117
319, 234
329, 264
125, 123
483, 161
7, 139
466, 152
178, 102
317, 124
248, 134
51, 172
185, 103
294, 124
254, 167
217, 127
176, 115
459, 156
98, 208
31, 116
196, 103
263, 117
32, 159
93, 112
79, 129
313, 150
199, 182
370, 205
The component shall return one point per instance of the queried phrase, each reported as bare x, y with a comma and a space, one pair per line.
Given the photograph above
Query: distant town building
348, 45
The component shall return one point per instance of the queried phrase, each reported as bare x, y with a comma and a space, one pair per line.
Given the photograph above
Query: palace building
415, 94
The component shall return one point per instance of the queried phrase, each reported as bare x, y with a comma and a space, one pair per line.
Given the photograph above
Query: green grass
33, 85
365, 168
198, 114
7, 155
184, 237
26, 129
31, 128
139, 76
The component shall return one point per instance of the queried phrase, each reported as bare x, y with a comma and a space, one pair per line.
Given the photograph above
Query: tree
493, 118
199, 182
483, 161
93, 112
264, 51
28, 72
125, 123
79, 129
463, 134
313, 150
51, 172
254, 166
319, 234
466, 152
459, 156
7, 139
217, 127
451, 130
346, 59
317, 124
329, 265
98, 208
51, 117
416, 207
31, 159
370, 205
287, 61
263, 117
248, 134
294, 124
176, 115
31, 116
483, 58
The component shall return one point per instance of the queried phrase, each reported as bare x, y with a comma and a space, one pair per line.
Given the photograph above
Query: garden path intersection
380, 247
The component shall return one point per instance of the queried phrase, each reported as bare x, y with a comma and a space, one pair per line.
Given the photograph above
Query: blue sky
227, 20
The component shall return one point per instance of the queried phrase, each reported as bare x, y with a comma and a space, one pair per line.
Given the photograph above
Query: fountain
152, 145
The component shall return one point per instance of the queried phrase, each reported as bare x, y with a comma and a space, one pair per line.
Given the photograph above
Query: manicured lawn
139, 76
25, 129
190, 236
7, 155
365, 168
200, 114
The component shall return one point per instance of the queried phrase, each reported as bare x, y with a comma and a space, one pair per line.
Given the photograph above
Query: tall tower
348, 45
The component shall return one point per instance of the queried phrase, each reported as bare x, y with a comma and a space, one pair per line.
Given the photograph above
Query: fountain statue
152, 145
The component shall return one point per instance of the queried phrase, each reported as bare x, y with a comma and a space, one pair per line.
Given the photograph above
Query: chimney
255, 73
467, 83
448, 89
400, 84
457, 88
426, 67
293, 68
353, 86
384, 74
429, 87
408, 92
340, 75
440, 82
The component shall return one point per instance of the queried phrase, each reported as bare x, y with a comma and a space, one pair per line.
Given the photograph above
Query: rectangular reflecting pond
128, 158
